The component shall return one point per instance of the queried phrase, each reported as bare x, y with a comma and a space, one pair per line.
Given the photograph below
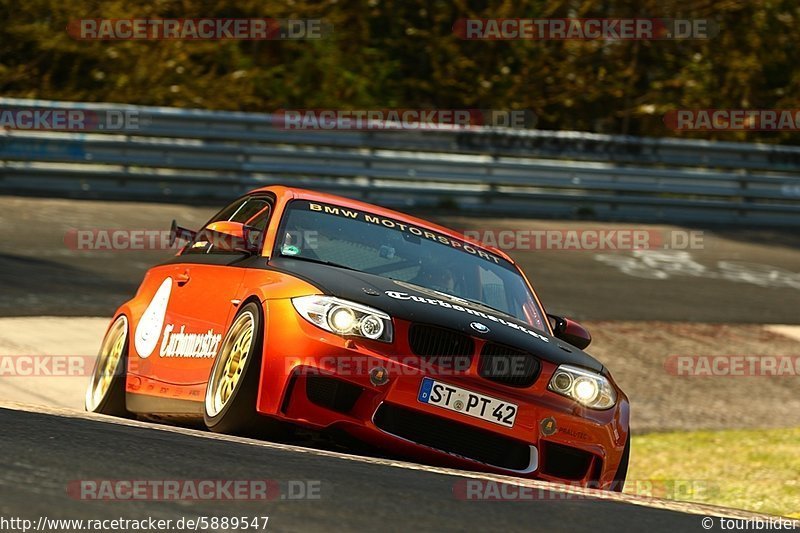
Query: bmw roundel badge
480, 328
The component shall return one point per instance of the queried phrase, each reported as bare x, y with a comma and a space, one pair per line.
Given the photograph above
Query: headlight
585, 387
345, 318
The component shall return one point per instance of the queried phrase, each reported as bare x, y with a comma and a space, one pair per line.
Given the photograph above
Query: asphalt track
42, 274
46, 449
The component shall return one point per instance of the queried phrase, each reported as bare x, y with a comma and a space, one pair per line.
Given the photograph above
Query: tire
622, 469
229, 405
106, 391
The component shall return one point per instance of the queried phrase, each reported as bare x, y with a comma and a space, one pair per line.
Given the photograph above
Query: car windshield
375, 244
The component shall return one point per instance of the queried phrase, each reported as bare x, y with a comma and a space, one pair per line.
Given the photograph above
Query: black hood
409, 302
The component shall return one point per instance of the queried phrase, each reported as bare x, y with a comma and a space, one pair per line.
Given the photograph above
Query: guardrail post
245, 161
744, 199
494, 190
367, 193
614, 206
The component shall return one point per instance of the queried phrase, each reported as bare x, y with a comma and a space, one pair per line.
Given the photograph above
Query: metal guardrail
190, 155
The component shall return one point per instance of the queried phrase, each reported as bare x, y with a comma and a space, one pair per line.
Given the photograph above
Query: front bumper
369, 390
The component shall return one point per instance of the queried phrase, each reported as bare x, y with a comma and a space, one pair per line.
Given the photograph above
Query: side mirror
233, 236
570, 331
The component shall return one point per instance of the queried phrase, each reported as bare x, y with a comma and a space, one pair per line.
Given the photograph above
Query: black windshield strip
441, 239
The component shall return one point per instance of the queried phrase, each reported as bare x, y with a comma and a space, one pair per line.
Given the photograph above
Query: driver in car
437, 277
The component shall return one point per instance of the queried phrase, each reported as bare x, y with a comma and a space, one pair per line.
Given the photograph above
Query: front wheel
106, 391
622, 469
231, 394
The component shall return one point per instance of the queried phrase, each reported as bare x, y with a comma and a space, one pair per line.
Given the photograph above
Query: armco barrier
191, 155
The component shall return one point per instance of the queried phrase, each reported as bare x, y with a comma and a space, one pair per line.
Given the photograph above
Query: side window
259, 222
253, 210
248, 210
229, 211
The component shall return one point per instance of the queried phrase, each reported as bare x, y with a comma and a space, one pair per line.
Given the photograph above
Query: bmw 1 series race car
292, 307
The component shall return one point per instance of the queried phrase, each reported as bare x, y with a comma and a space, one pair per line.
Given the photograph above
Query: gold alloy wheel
107, 362
230, 364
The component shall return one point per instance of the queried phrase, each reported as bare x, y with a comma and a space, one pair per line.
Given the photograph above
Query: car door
204, 300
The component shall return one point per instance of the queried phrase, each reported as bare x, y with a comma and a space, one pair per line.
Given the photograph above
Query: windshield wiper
463, 299
487, 306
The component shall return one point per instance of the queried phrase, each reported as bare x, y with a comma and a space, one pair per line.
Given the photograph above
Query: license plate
467, 402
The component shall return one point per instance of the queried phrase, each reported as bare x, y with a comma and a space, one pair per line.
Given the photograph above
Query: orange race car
302, 308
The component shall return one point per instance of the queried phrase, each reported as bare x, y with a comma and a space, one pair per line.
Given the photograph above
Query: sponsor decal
182, 344
290, 249
548, 426
379, 376
574, 433
149, 327
441, 303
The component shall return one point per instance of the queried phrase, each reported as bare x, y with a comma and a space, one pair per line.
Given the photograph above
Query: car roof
306, 194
